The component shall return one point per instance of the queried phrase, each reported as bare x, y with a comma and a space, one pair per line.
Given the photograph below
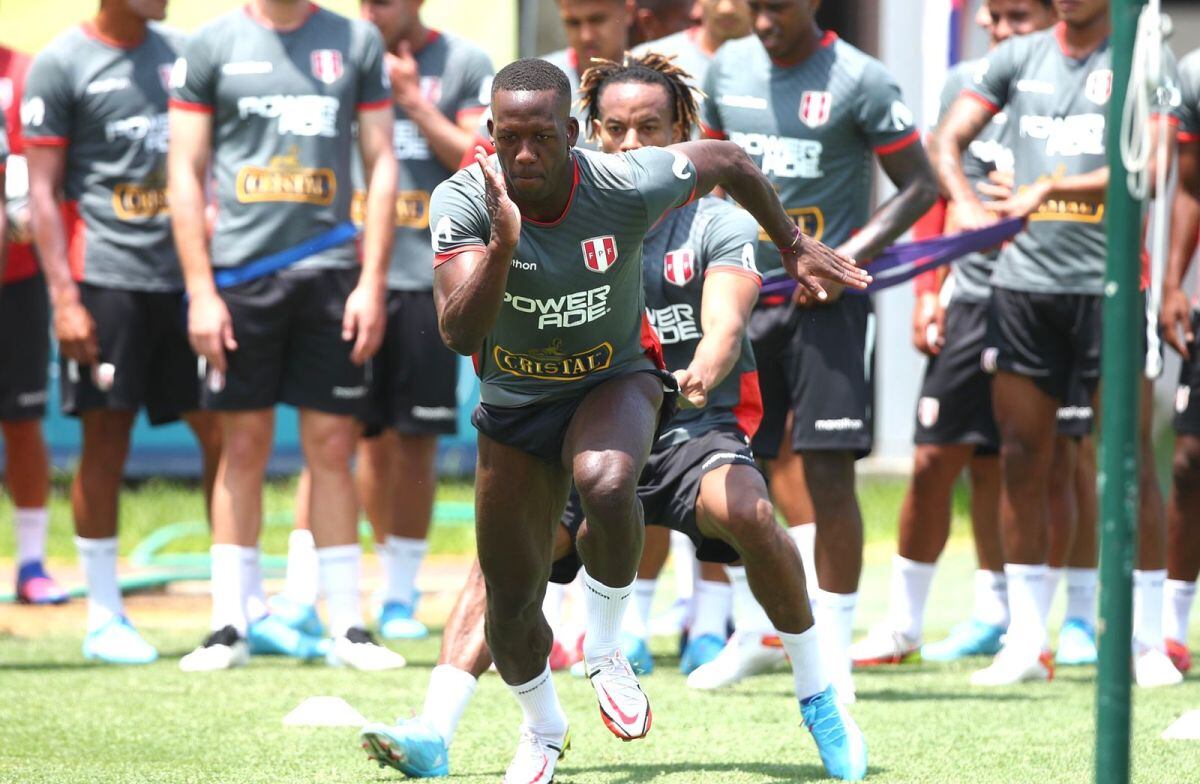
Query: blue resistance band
261, 267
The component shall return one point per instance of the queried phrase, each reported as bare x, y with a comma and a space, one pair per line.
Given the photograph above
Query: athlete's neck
804, 48
1080, 40
417, 37
708, 41
119, 27
281, 15
552, 207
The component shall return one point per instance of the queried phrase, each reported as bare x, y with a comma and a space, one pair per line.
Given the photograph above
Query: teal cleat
970, 638
396, 622
117, 642
839, 740
272, 636
301, 617
700, 651
410, 747
1076, 643
638, 653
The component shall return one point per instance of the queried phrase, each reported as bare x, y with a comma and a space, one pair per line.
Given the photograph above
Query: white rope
1145, 76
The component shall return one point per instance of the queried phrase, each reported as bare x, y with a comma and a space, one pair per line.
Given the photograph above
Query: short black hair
532, 74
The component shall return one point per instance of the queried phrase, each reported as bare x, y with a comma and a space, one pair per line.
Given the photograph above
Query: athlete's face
1018, 17
394, 18
782, 24
150, 10
1081, 13
534, 133
596, 28
725, 19
634, 115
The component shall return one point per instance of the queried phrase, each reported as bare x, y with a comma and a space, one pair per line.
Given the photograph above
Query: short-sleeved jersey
1189, 88
567, 61
812, 128
1056, 107
573, 312
707, 236
107, 106
456, 76
22, 262
987, 152
283, 106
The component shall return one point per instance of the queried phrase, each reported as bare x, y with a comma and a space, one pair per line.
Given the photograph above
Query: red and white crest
600, 253
431, 88
815, 107
1099, 86
327, 65
679, 266
164, 74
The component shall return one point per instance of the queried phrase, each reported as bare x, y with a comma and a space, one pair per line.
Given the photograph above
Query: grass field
64, 720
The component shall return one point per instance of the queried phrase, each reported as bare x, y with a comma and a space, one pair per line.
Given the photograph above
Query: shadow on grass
904, 695
632, 774
59, 666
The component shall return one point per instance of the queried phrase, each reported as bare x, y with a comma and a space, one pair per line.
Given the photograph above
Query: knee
751, 525
331, 446
829, 475
513, 602
245, 451
607, 483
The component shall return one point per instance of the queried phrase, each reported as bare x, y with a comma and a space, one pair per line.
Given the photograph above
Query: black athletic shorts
540, 429
288, 328
1076, 419
956, 395
414, 377
1053, 339
1187, 394
143, 336
668, 489
817, 364
24, 349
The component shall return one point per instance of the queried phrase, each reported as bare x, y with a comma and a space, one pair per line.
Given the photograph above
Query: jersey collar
264, 22
93, 32
827, 40
570, 199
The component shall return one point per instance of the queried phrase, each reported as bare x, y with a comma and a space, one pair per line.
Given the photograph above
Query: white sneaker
536, 758
744, 655
623, 705
882, 646
1015, 665
223, 650
1152, 667
358, 650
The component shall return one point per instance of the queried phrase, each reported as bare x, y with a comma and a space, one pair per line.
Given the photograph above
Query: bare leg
985, 512
97, 484
206, 427
925, 512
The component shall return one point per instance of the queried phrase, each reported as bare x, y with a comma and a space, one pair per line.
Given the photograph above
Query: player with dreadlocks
700, 283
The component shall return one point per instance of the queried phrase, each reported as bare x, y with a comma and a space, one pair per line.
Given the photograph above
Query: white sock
571, 621
804, 649
300, 584
1178, 596
604, 610
1081, 594
31, 525
714, 602
910, 591
405, 561
252, 584
991, 598
384, 555
1053, 578
1148, 607
539, 704
805, 537
99, 557
450, 689
339, 568
1026, 603
228, 586
637, 617
834, 614
748, 615
683, 555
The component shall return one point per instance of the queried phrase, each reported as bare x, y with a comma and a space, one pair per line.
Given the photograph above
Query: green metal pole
1121, 365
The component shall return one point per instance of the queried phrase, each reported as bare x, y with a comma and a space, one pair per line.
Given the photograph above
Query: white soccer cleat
223, 650
1152, 667
883, 646
358, 650
536, 758
623, 705
1013, 665
744, 655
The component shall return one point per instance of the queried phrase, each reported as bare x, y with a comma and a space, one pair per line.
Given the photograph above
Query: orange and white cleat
1180, 656
745, 654
623, 705
884, 646
1015, 665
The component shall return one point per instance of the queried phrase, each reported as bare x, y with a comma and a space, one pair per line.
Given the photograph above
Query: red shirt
22, 262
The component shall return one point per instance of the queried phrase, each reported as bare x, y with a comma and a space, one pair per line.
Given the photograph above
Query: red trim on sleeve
441, 258
1187, 137
749, 409
46, 141
431, 35
188, 106
76, 238
371, 106
710, 133
1171, 119
991, 107
742, 271
473, 113
898, 145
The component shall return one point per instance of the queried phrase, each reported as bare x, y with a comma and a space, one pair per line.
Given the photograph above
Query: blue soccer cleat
396, 622
301, 617
839, 740
970, 638
117, 642
1076, 643
700, 651
638, 653
272, 636
410, 747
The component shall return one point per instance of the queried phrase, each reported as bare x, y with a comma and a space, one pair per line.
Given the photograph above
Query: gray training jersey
283, 106
988, 152
456, 76
573, 313
107, 106
812, 128
1189, 88
568, 62
680, 252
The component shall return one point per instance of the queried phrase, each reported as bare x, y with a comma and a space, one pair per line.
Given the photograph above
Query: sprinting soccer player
95, 131
1180, 322
700, 285
24, 310
814, 112
269, 94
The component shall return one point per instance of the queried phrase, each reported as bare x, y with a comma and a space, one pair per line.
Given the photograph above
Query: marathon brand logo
674, 323
412, 209
717, 459
815, 107
553, 364
1066, 137
782, 156
139, 201
1074, 414
350, 393
151, 132
111, 85
571, 310
298, 115
599, 253
838, 425
433, 413
327, 65
679, 266
1098, 86
247, 68
285, 180
744, 101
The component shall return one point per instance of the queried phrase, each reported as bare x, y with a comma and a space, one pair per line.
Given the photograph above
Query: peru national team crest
815, 107
679, 266
1099, 86
600, 253
327, 65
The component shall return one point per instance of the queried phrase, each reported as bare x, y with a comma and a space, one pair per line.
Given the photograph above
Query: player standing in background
814, 113
24, 310
655, 19
95, 130
269, 94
